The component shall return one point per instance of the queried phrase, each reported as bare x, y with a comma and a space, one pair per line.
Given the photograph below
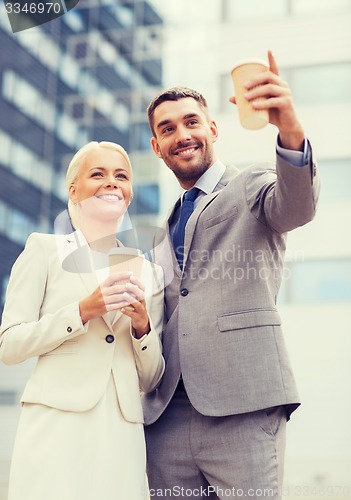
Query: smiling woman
96, 335
99, 171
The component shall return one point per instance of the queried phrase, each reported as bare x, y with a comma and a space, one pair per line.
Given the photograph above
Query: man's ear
214, 130
155, 146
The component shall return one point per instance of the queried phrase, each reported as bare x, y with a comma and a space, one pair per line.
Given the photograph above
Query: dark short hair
174, 94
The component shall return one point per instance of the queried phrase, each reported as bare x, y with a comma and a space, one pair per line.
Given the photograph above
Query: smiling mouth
109, 197
186, 152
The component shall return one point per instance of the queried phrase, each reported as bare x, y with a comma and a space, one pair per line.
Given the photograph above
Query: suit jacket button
69, 329
144, 348
109, 339
184, 292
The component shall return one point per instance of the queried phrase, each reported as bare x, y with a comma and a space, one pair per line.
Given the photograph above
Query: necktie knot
191, 195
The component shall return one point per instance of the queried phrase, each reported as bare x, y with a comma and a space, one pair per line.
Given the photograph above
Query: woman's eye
121, 176
96, 174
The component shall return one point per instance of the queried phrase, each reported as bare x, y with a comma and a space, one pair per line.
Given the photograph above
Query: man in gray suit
215, 427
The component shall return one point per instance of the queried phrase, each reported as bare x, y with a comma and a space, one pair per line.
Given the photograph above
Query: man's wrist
292, 140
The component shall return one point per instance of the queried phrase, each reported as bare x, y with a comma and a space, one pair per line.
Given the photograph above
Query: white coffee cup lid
250, 61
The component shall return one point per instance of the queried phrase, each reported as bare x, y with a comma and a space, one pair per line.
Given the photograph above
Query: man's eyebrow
185, 117
162, 123
191, 115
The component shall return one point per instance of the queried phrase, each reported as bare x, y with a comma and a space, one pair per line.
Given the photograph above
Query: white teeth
109, 197
186, 152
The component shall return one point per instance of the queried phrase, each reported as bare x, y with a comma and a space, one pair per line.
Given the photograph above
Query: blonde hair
77, 162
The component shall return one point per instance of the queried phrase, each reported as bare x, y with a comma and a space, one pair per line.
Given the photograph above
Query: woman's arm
24, 332
148, 350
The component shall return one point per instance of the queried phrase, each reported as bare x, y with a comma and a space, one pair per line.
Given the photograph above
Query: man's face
184, 139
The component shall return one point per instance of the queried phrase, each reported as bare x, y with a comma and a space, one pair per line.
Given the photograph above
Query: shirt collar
209, 179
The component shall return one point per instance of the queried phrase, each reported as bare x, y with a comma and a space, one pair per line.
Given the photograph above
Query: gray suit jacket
223, 331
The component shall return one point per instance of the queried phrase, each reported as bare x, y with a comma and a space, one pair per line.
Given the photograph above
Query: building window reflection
24, 163
15, 224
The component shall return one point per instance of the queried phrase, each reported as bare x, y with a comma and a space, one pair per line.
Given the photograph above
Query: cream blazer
41, 319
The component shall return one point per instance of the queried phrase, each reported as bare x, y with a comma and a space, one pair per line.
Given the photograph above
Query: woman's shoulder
46, 242
41, 239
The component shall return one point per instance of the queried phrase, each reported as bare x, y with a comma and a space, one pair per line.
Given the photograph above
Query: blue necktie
186, 210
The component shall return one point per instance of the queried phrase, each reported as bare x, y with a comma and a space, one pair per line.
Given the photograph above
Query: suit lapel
228, 175
164, 251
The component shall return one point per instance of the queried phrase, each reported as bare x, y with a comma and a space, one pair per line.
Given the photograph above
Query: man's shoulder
263, 171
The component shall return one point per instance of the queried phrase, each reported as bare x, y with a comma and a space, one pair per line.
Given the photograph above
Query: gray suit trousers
200, 457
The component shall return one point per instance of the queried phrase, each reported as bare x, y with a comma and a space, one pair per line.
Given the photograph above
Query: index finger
272, 63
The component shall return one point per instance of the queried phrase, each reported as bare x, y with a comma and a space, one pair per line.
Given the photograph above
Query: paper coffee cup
124, 259
242, 72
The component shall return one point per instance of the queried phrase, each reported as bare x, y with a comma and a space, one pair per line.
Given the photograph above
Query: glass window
28, 99
105, 103
123, 68
69, 70
59, 185
49, 53
321, 84
73, 19
22, 161
30, 40
17, 227
120, 116
9, 85
124, 15
67, 130
106, 51
43, 172
5, 149
3, 214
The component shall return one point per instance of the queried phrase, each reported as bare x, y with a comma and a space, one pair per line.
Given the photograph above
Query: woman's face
103, 187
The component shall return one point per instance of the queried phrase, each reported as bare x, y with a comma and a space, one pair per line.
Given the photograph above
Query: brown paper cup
243, 71
126, 259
